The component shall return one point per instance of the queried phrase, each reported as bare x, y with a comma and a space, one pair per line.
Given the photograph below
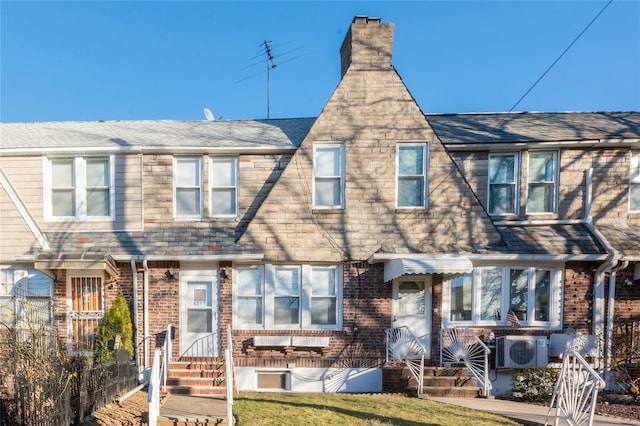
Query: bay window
486, 295
287, 297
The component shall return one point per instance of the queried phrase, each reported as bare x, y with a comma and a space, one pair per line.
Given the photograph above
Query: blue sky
76, 61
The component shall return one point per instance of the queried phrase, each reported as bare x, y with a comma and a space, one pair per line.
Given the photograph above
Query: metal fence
41, 386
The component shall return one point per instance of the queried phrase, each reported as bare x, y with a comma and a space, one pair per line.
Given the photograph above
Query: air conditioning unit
521, 352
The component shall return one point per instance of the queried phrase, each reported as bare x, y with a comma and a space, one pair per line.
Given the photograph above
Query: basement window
273, 380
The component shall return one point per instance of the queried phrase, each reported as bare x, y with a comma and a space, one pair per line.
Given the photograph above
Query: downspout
611, 302
134, 274
599, 277
145, 304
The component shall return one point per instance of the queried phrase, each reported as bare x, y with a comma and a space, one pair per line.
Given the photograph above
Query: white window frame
232, 187
318, 177
305, 294
555, 298
634, 180
423, 176
80, 189
553, 183
176, 188
515, 184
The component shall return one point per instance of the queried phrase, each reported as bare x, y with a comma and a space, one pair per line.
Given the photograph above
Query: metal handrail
167, 348
461, 345
403, 345
576, 391
153, 396
229, 375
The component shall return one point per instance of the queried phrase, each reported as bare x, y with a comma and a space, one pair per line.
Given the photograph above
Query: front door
199, 312
411, 307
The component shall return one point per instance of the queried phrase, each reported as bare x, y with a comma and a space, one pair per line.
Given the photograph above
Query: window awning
82, 261
450, 266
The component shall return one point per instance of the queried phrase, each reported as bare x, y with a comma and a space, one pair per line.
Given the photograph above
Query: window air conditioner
521, 352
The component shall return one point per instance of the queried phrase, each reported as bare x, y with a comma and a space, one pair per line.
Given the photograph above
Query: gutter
145, 302
134, 273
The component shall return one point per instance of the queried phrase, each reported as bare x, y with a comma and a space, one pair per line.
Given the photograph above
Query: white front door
411, 307
199, 334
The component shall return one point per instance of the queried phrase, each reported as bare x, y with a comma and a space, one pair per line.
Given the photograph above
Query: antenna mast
270, 64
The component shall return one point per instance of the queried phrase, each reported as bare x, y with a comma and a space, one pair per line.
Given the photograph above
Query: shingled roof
493, 128
237, 134
555, 240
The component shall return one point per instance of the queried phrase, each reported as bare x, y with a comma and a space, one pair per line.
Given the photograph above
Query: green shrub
116, 322
535, 384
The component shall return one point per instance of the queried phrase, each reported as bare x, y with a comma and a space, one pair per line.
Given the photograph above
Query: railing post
154, 390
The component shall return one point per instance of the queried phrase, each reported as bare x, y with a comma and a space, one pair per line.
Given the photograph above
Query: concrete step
449, 392
446, 371
176, 372
449, 381
196, 390
195, 381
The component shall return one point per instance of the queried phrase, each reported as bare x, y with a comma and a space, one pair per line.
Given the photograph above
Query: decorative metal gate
86, 310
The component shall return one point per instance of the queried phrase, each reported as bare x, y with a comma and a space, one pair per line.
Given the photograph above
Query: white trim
199, 172
341, 176
80, 189
555, 182
235, 185
424, 175
24, 212
516, 182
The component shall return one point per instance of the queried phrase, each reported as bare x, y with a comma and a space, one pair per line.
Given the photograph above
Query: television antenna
270, 64
270, 49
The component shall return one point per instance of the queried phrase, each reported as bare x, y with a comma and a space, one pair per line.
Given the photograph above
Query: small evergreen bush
535, 384
116, 321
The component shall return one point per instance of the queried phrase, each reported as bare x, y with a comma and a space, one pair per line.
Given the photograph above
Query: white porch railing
576, 391
404, 346
229, 375
461, 345
158, 377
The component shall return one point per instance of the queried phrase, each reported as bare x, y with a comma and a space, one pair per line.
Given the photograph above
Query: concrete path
191, 409
527, 414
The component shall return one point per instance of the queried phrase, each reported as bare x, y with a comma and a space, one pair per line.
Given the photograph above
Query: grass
257, 409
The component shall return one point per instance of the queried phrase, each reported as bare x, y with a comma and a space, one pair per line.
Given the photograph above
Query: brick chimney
367, 45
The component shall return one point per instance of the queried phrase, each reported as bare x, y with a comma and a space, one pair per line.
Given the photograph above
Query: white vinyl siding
287, 297
411, 175
503, 187
79, 188
634, 182
187, 187
542, 185
223, 178
328, 172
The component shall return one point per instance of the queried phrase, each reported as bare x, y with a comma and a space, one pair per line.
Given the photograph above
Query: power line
558, 58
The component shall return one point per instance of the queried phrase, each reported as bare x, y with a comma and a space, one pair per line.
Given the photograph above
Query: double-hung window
634, 182
328, 176
188, 187
289, 297
486, 295
25, 297
503, 185
223, 178
542, 182
411, 172
79, 188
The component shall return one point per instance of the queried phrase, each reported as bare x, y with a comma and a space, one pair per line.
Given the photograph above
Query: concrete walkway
527, 414
203, 410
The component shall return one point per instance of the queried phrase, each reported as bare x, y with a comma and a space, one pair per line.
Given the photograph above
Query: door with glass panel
411, 307
199, 314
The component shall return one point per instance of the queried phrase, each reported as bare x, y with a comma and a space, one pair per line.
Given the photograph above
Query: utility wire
559, 57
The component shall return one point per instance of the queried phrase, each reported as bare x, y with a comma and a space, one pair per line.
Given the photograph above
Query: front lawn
344, 409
